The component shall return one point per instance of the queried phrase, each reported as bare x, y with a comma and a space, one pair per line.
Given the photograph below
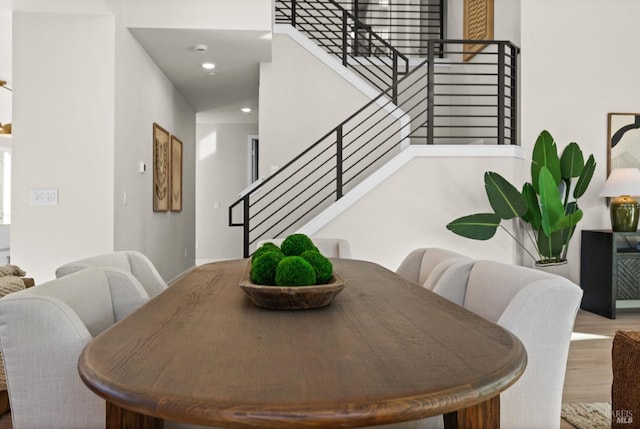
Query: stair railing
341, 34
405, 24
443, 101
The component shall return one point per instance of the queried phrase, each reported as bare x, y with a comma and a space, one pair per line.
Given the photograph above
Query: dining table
385, 350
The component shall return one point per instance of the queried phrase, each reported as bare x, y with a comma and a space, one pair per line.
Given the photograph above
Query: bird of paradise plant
548, 204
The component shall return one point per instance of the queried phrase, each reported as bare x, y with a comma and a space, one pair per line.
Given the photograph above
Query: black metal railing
340, 33
474, 101
407, 25
443, 101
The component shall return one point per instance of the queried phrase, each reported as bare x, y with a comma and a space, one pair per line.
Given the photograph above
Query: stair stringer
396, 164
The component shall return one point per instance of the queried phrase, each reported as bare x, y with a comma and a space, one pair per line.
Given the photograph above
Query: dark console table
609, 270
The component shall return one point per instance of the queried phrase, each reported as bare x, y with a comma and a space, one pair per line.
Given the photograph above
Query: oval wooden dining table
385, 350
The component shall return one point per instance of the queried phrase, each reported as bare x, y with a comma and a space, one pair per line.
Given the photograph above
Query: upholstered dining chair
43, 329
129, 260
439, 270
538, 307
329, 247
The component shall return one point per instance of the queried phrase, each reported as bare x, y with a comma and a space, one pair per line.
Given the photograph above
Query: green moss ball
263, 268
295, 244
295, 271
322, 266
266, 247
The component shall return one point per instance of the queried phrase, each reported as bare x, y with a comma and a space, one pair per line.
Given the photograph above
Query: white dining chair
538, 307
129, 260
43, 330
329, 247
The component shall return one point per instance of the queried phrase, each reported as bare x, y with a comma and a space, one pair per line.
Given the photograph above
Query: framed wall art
478, 25
176, 174
623, 141
161, 169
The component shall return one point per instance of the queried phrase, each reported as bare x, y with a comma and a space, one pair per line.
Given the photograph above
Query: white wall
301, 99
81, 7
222, 157
218, 14
82, 128
63, 138
411, 208
144, 95
5, 64
583, 67
506, 20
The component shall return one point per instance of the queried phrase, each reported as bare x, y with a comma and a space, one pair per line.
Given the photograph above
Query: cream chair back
132, 261
540, 309
43, 330
329, 247
419, 263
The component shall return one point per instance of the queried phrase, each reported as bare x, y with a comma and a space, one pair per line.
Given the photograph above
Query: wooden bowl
291, 297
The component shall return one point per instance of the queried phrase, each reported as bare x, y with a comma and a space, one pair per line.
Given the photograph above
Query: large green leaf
504, 198
545, 154
551, 207
574, 214
532, 215
479, 226
585, 178
571, 162
571, 220
550, 247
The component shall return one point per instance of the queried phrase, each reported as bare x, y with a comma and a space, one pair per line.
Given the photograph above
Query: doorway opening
254, 153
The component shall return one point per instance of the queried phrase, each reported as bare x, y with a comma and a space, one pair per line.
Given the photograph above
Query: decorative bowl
291, 297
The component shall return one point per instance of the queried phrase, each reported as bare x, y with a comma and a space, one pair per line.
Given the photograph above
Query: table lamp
621, 185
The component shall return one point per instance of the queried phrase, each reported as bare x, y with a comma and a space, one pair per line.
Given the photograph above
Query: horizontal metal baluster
290, 196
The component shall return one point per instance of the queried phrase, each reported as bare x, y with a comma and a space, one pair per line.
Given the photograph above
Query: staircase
341, 34
441, 100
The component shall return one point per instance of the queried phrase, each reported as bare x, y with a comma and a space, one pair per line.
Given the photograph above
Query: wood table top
386, 350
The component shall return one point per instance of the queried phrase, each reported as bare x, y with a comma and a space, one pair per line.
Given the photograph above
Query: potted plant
294, 276
547, 207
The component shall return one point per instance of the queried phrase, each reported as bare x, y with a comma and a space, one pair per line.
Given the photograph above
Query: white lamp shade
622, 181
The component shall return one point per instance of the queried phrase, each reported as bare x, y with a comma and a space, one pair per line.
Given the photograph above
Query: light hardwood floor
588, 377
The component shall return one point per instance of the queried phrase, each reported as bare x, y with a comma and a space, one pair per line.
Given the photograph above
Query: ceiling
236, 54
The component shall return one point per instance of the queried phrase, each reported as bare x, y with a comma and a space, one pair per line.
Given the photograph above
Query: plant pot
551, 263
558, 268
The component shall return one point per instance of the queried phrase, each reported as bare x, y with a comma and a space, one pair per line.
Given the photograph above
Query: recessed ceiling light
211, 73
246, 109
208, 66
200, 48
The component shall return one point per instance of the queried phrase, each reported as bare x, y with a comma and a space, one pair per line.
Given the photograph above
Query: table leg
121, 418
485, 415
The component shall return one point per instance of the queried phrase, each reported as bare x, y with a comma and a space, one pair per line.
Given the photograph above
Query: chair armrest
146, 273
127, 294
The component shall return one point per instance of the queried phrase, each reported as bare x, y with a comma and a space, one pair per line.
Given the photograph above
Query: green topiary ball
266, 247
295, 271
322, 266
263, 268
295, 244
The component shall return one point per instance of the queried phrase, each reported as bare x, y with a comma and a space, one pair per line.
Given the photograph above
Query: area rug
594, 415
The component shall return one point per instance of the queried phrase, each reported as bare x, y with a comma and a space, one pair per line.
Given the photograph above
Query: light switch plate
43, 197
